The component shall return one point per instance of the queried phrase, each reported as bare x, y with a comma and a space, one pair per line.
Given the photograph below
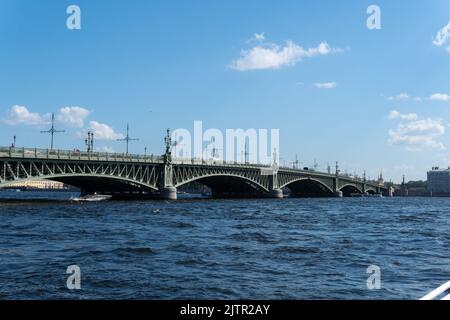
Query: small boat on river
91, 198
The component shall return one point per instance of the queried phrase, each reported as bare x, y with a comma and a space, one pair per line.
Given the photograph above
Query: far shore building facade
439, 182
39, 184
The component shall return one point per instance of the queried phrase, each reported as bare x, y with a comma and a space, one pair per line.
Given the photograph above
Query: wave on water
239, 249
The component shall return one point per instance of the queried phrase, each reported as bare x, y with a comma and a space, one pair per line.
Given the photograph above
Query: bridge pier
275, 191
276, 194
338, 194
168, 193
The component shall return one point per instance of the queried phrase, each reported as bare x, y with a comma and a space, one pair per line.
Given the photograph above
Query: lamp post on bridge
168, 143
295, 163
166, 188
89, 142
315, 165
127, 139
175, 145
52, 131
274, 187
13, 144
247, 154
337, 192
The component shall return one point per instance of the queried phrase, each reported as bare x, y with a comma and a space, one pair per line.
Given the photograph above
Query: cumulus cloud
21, 115
394, 114
424, 126
406, 97
73, 116
325, 85
416, 134
273, 56
104, 132
106, 149
442, 36
68, 116
415, 142
400, 97
440, 97
257, 37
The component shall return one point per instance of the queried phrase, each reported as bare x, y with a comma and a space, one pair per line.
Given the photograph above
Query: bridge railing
29, 153
36, 153
217, 162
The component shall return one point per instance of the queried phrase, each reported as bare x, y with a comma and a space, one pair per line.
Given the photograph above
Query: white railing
438, 292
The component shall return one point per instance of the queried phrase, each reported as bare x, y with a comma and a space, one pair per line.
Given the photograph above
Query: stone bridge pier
166, 188
274, 189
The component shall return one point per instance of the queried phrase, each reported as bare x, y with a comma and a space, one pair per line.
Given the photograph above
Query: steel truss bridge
160, 176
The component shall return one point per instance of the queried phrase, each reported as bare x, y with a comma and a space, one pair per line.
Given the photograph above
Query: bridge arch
91, 183
348, 189
308, 187
228, 184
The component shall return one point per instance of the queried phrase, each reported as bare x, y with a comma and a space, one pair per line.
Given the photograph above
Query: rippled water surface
225, 249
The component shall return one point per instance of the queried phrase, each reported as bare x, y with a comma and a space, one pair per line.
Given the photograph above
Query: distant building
404, 188
381, 179
391, 191
39, 184
439, 182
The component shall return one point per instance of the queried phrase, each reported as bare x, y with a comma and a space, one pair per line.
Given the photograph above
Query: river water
223, 249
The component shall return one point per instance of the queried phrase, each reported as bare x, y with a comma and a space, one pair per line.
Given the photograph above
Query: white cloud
415, 133
325, 85
21, 115
69, 116
400, 97
274, 57
73, 116
442, 36
106, 149
258, 37
415, 142
104, 132
394, 114
440, 97
406, 97
424, 126
409, 116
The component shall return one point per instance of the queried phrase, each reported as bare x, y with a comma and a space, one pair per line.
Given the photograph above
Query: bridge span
160, 176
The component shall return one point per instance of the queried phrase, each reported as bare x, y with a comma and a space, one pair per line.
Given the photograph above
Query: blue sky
371, 99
